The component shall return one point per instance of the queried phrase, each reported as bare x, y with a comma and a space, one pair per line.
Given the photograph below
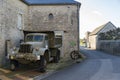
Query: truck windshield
36, 38
29, 38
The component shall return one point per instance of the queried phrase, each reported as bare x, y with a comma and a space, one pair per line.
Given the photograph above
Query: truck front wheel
46, 55
13, 65
43, 64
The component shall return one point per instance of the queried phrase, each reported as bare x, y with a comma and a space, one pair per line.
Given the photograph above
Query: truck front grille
25, 48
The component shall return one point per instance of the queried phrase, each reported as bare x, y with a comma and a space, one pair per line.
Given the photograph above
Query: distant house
92, 37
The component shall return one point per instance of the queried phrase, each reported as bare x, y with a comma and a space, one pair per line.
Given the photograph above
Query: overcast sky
94, 13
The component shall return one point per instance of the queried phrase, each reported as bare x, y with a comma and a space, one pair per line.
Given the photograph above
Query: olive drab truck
39, 48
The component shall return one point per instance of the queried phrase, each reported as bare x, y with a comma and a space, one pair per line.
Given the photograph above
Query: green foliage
82, 42
110, 35
72, 43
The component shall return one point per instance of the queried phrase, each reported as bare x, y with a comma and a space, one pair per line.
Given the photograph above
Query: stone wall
110, 46
9, 10
1, 22
65, 18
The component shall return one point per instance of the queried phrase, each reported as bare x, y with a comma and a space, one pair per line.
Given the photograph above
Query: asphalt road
97, 66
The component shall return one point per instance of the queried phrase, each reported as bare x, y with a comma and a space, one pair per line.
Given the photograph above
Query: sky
94, 13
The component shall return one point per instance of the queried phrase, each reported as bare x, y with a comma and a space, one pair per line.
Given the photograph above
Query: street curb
47, 74
40, 77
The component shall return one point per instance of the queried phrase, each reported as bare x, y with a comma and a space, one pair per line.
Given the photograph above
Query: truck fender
42, 51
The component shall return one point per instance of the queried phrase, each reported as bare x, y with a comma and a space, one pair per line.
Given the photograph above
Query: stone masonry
65, 19
9, 10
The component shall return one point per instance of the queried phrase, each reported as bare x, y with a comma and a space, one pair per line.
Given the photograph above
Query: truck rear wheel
57, 57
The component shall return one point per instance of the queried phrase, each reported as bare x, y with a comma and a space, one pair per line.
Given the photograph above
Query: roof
98, 29
45, 2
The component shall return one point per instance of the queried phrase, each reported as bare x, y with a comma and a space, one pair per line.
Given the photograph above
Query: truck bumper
27, 56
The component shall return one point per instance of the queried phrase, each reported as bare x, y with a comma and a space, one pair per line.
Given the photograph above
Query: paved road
97, 66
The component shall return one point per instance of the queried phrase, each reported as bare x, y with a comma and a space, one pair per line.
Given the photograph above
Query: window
29, 38
20, 21
46, 37
35, 38
50, 16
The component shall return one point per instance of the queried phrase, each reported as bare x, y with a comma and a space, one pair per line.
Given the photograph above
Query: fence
110, 46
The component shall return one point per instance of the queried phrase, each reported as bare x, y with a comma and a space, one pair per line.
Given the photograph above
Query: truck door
46, 41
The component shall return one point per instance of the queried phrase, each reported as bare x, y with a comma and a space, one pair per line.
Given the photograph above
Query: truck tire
57, 57
13, 65
43, 64
58, 54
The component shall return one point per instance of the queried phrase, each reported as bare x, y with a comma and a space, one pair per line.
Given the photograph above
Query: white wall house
92, 38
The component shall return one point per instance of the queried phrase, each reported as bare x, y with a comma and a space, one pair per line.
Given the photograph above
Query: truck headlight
11, 57
14, 50
38, 57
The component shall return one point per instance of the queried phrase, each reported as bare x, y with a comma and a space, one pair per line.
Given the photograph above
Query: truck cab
37, 40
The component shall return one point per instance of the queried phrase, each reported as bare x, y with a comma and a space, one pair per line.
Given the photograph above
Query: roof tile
98, 29
51, 1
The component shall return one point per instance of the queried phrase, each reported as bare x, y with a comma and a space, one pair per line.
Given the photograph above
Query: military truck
39, 48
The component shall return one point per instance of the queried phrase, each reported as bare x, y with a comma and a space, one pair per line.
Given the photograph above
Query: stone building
92, 37
19, 16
